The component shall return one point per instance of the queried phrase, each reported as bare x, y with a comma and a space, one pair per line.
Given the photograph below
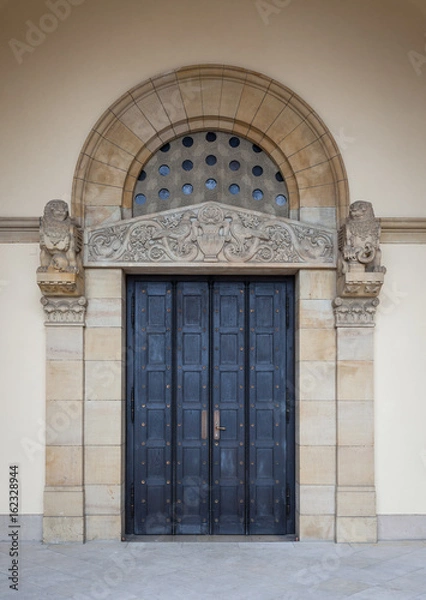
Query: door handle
217, 426
204, 425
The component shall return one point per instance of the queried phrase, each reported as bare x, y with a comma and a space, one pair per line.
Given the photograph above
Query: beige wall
22, 375
400, 384
349, 60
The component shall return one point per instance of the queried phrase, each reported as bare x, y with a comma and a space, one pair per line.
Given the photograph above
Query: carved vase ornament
360, 274
209, 233
61, 241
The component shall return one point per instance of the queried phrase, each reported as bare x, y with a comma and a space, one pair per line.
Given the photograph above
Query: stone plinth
55, 283
358, 283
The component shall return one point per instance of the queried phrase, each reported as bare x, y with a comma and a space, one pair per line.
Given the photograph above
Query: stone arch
204, 97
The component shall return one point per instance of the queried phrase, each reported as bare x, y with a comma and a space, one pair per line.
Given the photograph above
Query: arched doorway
187, 101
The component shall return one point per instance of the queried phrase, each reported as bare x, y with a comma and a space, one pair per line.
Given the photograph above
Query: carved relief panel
210, 233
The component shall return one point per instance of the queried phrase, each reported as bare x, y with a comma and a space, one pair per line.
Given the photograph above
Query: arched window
210, 166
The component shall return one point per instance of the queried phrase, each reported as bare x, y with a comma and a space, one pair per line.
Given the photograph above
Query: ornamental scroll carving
360, 275
210, 233
61, 241
359, 312
64, 311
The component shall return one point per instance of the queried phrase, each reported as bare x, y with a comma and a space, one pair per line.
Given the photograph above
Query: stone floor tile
340, 588
30, 593
4, 562
415, 581
387, 551
229, 570
44, 577
359, 562
405, 565
382, 593
377, 574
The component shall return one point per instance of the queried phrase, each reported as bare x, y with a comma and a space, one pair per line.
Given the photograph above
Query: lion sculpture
61, 239
359, 240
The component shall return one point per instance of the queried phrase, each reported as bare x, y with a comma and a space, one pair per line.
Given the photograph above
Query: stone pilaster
316, 405
359, 281
356, 517
60, 277
104, 404
64, 493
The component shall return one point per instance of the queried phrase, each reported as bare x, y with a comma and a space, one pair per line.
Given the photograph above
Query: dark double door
210, 435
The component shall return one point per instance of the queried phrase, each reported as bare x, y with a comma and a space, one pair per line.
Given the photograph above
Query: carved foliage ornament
61, 241
358, 312
64, 311
210, 233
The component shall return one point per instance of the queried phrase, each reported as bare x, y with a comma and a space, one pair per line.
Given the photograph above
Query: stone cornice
19, 230
396, 230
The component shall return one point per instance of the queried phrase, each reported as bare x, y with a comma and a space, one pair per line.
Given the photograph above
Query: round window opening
210, 166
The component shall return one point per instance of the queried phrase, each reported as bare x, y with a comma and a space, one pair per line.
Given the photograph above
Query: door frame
289, 489
85, 476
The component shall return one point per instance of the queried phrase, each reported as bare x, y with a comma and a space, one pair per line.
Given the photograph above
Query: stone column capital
355, 312
64, 311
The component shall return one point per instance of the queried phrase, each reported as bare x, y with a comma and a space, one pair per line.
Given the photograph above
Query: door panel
267, 407
192, 405
210, 438
228, 393
153, 409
